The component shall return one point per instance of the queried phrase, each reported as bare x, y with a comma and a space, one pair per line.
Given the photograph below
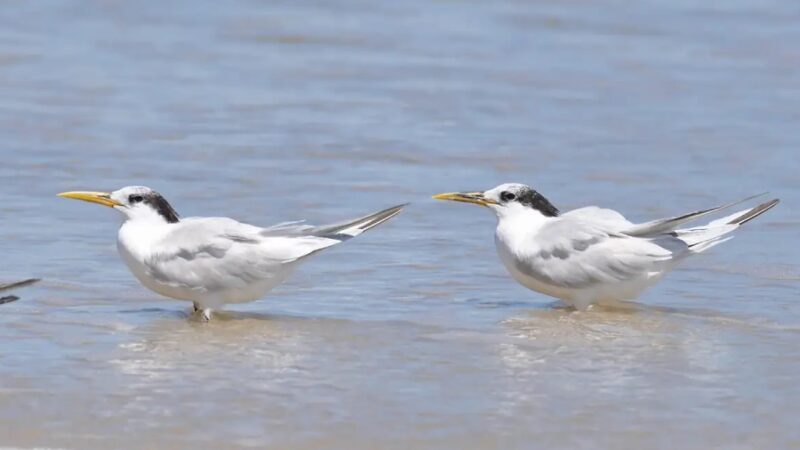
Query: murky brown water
411, 336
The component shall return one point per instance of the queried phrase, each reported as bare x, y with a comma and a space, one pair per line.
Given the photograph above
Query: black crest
535, 200
162, 206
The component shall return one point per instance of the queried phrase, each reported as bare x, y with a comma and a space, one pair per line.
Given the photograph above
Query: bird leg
582, 303
206, 312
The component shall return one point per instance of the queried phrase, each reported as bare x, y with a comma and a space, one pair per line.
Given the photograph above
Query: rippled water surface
411, 336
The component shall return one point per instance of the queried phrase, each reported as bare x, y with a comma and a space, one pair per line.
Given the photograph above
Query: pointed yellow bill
102, 198
466, 197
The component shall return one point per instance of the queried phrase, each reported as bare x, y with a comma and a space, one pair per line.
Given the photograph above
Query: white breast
508, 257
134, 244
514, 233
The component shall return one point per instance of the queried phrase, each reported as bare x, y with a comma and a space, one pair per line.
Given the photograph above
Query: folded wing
576, 254
210, 254
219, 253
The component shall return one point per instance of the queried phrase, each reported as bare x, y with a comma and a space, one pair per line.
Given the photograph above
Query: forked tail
718, 231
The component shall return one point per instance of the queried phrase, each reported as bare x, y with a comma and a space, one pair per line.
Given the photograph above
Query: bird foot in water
206, 312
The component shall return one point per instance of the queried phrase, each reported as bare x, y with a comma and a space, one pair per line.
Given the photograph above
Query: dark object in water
11, 298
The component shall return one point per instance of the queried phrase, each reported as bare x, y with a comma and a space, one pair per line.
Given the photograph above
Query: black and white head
506, 199
133, 202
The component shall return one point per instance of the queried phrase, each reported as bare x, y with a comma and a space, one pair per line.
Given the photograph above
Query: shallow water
411, 336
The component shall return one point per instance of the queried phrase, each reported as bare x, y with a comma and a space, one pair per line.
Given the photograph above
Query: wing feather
669, 224
575, 253
210, 254
217, 253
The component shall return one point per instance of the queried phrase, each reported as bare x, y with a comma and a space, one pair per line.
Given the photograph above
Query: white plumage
212, 261
593, 255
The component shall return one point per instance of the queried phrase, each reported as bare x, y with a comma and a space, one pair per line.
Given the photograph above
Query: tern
9, 286
593, 255
212, 261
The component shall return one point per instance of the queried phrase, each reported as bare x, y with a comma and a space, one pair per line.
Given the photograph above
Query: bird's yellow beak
103, 198
466, 197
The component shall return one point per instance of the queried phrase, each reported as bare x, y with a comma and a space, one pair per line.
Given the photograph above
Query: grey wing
608, 218
17, 284
295, 228
210, 253
8, 286
213, 253
340, 231
575, 254
669, 224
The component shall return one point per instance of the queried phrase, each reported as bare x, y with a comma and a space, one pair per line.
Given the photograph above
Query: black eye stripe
155, 201
532, 199
507, 196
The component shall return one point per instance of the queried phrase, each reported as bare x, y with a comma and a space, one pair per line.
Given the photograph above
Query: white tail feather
716, 232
